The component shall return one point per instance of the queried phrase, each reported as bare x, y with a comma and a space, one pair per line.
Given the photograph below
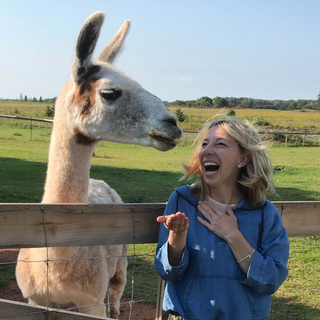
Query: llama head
105, 104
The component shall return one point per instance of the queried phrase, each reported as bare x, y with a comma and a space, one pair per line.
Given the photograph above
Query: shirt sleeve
163, 267
268, 268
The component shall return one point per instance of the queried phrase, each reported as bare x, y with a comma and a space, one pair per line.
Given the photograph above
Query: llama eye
111, 94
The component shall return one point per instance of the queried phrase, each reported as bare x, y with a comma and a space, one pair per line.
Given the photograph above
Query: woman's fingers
176, 222
205, 223
162, 219
186, 223
204, 212
210, 207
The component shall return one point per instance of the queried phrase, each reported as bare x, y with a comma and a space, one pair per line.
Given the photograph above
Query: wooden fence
54, 225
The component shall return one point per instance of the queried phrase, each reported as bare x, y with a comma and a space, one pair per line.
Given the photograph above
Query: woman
222, 247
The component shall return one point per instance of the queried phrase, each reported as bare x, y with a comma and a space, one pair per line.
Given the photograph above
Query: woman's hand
224, 225
178, 225
178, 222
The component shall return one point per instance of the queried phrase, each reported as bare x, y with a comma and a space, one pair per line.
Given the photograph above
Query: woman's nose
209, 150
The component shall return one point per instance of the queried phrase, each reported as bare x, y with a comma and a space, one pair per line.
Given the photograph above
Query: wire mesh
129, 303
132, 302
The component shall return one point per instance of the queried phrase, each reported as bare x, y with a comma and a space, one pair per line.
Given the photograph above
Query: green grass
23, 109
23, 168
7, 274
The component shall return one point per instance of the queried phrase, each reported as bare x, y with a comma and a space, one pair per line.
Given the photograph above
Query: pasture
307, 121
294, 121
23, 168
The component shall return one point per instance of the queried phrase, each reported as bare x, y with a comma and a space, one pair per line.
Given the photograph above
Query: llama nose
172, 121
174, 131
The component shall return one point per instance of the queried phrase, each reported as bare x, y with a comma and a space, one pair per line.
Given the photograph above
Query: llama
97, 103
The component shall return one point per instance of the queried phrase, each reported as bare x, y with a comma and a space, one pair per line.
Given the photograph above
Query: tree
318, 101
49, 111
204, 102
34, 99
180, 115
40, 99
245, 103
220, 103
292, 106
25, 98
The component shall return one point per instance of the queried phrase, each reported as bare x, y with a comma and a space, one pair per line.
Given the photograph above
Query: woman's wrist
234, 237
177, 241
176, 245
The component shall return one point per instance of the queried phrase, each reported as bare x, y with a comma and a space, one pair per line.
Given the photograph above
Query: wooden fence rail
25, 225
53, 225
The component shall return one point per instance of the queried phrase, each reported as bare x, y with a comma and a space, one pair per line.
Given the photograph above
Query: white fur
136, 117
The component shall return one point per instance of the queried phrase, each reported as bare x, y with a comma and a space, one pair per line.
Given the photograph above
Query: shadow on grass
23, 181
293, 194
288, 309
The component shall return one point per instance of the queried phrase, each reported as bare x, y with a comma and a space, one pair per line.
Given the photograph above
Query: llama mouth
161, 141
211, 167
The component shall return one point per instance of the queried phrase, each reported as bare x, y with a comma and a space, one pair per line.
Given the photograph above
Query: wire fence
132, 302
283, 137
97, 217
136, 224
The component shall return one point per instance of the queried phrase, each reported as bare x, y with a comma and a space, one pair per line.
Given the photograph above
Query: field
293, 121
23, 167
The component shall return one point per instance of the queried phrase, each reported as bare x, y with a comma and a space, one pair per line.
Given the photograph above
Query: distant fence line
283, 132
192, 132
23, 118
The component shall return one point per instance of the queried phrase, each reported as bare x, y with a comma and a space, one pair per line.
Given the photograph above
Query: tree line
34, 99
249, 103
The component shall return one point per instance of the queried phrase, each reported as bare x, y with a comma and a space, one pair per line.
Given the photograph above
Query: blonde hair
255, 180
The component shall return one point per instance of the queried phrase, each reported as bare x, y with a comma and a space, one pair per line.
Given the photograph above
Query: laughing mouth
211, 167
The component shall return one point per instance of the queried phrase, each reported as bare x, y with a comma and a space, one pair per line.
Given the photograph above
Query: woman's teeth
211, 167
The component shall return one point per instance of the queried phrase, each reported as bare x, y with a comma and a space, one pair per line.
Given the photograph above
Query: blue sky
175, 49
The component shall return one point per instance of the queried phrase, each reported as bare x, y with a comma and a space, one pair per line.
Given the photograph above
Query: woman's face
219, 159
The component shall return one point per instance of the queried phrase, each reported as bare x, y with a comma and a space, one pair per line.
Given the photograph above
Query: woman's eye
204, 144
111, 94
222, 144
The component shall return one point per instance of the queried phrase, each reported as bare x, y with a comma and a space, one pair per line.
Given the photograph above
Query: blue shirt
208, 283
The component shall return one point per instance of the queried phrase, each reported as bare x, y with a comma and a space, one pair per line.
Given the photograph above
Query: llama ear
114, 46
86, 42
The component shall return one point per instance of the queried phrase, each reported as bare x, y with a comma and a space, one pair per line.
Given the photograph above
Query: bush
261, 121
231, 113
49, 111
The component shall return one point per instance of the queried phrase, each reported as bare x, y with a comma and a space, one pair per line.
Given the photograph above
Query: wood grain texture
300, 218
54, 225
22, 225
23, 311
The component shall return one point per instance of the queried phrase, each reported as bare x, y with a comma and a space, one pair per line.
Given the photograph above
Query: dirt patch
8, 255
140, 311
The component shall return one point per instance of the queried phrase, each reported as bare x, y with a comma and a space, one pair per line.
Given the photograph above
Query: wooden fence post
161, 285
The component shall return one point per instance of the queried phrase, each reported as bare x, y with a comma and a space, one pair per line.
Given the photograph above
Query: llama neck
68, 168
